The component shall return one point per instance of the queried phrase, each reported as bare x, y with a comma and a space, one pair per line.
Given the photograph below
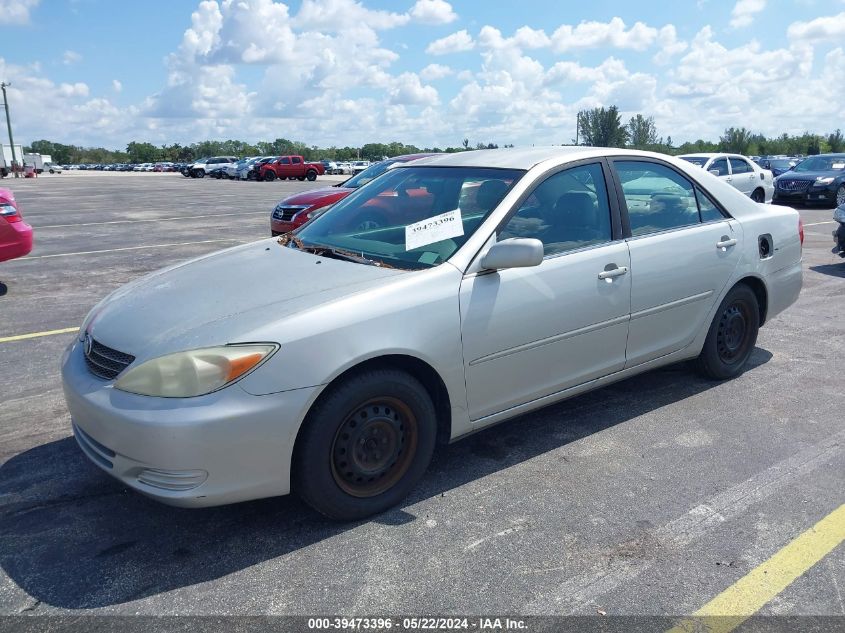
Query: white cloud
744, 11
611, 34
16, 11
454, 43
433, 12
406, 89
823, 28
433, 72
116, 85
670, 46
71, 57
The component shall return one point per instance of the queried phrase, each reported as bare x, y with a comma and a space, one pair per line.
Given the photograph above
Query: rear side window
296, 160
658, 198
739, 166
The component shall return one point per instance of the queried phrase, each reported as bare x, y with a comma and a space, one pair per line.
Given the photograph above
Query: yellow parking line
21, 337
746, 596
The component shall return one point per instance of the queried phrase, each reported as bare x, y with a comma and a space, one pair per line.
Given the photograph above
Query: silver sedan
483, 285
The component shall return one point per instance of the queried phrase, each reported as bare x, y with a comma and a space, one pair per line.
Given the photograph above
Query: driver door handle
613, 272
724, 243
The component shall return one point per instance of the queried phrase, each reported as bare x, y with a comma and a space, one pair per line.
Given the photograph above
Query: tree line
603, 127
598, 127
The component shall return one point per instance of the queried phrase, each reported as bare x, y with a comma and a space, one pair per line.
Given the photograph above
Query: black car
780, 166
815, 180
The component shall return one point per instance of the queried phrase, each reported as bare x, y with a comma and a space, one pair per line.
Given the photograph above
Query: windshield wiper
327, 251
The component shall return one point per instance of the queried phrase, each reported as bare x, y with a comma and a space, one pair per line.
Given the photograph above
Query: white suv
200, 168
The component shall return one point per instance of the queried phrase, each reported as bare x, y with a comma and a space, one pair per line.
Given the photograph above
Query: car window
658, 198
739, 166
708, 210
568, 210
284, 161
721, 164
296, 160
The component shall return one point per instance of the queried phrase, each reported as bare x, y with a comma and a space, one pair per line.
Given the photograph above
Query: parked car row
269, 168
738, 171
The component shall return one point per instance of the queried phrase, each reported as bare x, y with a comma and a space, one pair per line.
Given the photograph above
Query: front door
532, 332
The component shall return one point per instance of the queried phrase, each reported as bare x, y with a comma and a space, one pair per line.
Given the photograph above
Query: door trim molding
672, 304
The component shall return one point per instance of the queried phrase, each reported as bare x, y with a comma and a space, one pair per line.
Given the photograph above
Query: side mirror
513, 253
715, 172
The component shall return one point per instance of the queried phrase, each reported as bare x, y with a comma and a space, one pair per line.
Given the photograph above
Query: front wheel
199, 173
732, 335
840, 196
311, 175
270, 176
365, 445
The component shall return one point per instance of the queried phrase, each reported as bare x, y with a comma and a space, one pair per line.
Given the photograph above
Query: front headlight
824, 180
196, 372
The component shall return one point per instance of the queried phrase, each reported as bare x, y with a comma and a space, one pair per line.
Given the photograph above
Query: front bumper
823, 194
221, 448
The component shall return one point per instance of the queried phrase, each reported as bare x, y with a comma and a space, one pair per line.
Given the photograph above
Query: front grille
794, 185
285, 214
106, 362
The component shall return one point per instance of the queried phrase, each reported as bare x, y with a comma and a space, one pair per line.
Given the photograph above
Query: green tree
602, 127
835, 141
143, 152
642, 132
736, 140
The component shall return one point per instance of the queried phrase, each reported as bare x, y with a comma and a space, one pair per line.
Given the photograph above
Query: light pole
9, 125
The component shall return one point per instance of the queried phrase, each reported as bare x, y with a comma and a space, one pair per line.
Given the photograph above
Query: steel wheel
732, 337
374, 447
840, 196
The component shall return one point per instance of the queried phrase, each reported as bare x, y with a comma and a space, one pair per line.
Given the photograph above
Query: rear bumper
784, 287
15, 240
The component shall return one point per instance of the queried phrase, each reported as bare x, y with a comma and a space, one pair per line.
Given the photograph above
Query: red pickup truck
290, 167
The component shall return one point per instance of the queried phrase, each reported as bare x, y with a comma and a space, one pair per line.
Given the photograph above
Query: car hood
811, 175
316, 196
223, 297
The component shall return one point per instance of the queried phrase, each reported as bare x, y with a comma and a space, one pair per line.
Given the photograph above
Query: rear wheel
199, 173
732, 335
269, 176
365, 445
758, 195
840, 196
311, 175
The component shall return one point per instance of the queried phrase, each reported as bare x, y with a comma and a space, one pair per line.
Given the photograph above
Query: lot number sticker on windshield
435, 229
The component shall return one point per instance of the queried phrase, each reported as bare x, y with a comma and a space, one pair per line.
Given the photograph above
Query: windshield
410, 217
696, 160
821, 163
780, 163
368, 174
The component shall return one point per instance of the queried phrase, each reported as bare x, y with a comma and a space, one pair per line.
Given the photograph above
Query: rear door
743, 175
720, 165
684, 249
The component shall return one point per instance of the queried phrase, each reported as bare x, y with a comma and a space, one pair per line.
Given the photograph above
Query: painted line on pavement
129, 248
184, 217
817, 223
22, 337
750, 593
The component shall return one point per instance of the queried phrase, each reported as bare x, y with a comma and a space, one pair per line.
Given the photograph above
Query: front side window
720, 165
567, 211
739, 166
658, 198
409, 217
284, 161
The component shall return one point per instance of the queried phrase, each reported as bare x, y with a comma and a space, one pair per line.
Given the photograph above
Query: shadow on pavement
835, 270
71, 537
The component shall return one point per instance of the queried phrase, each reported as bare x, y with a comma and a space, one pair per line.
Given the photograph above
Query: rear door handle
725, 242
618, 271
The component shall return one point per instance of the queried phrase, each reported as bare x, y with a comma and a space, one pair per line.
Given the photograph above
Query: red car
296, 210
15, 234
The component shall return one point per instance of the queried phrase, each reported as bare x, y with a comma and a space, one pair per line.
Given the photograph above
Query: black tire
840, 196
758, 195
311, 175
732, 335
199, 173
364, 445
299, 178
270, 176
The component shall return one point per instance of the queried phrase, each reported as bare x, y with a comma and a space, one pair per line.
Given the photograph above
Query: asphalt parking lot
651, 496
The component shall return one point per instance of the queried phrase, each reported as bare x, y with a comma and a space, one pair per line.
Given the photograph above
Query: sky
423, 72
